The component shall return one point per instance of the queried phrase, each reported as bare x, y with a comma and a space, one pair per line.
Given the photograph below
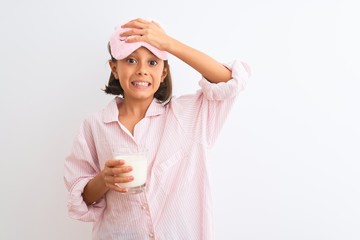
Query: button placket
145, 206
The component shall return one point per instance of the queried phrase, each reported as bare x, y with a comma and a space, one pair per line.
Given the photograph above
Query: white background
286, 165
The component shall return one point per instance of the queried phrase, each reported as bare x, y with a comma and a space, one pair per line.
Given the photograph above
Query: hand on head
146, 31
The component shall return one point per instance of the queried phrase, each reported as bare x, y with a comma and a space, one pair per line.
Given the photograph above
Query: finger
118, 189
141, 20
138, 32
121, 190
120, 170
156, 23
133, 31
125, 179
116, 171
114, 162
136, 39
137, 23
111, 180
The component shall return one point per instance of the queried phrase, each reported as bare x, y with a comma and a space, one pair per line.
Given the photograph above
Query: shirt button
151, 235
144, 206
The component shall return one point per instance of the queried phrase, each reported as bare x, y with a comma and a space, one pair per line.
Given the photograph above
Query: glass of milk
137, 159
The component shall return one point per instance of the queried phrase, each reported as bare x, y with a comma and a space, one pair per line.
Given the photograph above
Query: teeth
145, 84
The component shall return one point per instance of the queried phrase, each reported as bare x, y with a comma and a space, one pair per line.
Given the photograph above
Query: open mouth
140, 84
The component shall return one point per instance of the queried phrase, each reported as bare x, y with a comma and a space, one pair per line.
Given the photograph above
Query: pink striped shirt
177, 202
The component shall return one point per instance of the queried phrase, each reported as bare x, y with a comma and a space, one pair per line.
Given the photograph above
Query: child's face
140, 74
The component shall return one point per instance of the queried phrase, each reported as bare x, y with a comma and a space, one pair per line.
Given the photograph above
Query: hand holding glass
137, 159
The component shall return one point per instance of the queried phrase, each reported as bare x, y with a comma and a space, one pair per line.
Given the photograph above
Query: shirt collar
111, 112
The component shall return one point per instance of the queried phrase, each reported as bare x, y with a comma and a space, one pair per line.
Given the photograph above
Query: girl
177, 131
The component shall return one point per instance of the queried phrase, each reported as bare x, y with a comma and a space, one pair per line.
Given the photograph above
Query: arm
94, 189
84, 179
152, 33
211, 69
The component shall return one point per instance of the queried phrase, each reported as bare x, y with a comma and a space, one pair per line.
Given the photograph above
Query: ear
113, 68
164, 74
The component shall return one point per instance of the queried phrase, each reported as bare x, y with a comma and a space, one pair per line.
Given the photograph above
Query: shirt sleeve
203, 115
217, 101
81, 165
240, 73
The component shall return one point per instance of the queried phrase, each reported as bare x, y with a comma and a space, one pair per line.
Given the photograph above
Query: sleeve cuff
240, 73
78, 209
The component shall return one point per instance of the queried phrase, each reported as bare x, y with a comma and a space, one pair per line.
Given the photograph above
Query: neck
134, 108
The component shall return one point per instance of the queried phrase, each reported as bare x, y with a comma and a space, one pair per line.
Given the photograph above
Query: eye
153, 62
131, 60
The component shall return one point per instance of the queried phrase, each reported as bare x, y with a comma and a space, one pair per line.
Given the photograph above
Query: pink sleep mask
121, 49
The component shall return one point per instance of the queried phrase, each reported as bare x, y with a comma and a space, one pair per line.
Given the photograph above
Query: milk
138, 162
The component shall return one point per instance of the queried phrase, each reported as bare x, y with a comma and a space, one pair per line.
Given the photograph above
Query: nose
142, 69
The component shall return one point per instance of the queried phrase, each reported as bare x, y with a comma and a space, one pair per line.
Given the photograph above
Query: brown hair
163, 94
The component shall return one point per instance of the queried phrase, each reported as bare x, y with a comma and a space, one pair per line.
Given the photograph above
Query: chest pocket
171, 173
